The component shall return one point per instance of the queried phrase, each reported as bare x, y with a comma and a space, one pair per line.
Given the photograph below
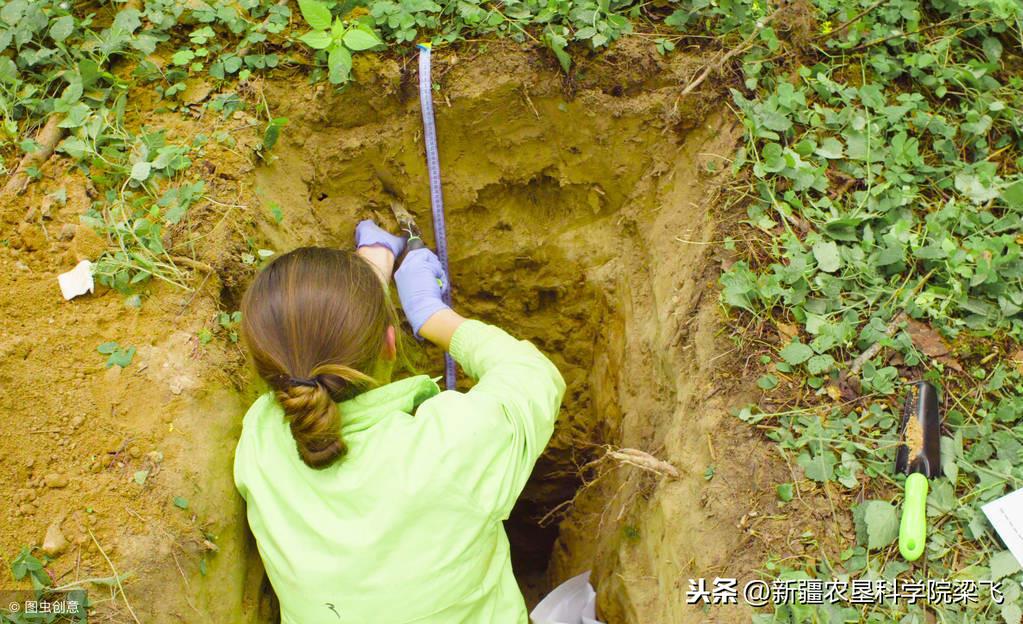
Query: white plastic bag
572, 602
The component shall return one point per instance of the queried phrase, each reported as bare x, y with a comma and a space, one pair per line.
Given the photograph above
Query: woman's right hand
421, 283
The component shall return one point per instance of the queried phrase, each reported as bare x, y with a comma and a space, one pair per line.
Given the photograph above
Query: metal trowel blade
920, 433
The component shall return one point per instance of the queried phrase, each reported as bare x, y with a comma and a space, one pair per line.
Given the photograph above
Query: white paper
572, 602
1006, 515
77, 281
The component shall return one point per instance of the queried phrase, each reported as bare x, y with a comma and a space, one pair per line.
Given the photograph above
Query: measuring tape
436, 195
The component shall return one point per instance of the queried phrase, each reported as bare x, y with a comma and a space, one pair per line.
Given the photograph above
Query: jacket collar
368, 408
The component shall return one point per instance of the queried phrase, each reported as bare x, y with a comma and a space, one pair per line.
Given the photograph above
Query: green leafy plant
230, 322
337, 38
118, 355
882, 243
25, 565
272, 134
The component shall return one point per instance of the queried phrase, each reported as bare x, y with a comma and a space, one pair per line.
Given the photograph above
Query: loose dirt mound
580, 216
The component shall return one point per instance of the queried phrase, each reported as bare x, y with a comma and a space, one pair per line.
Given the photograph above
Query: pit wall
584, 222
662, 382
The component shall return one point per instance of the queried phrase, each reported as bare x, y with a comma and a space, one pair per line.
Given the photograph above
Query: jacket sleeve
498, 429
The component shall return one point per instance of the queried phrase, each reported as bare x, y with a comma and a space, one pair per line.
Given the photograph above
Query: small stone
67, 231
54, 543
57, 480
77, 421
46, 207
155, 457
31, 462
135, 451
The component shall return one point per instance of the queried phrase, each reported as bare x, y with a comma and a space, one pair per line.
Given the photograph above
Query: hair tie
298, 381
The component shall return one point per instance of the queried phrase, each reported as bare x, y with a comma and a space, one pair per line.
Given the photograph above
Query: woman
378, 502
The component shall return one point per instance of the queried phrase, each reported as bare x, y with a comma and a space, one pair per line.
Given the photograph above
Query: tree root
47, 138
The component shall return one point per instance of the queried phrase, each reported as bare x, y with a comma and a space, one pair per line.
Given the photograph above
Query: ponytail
321, 312
310, 407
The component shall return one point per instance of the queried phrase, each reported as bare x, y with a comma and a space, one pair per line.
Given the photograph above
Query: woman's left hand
368, 233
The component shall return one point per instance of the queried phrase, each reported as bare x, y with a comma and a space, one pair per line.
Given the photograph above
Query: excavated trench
562, 214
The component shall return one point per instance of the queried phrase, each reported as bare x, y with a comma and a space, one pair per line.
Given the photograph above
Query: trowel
919, 456
406, 222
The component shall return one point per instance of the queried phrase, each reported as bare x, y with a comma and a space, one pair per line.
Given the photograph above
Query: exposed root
646, 461
47, 138
719, 64
605, 464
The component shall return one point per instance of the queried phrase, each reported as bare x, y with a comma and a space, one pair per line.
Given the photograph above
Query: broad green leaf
877, 523
74, 147
316, 14
557, 44
317, 39
141, 476
830, 148
128, 20
826, 254
951, 450
586, 32
273, 132
1003, 564
357, 39
1012, 613
785, 492
76, 116
62, 28
140, 170
107, 348
339, 62
183, 57
8, 70
819, 467
796, 352
992, 49
121, 357
181, 502
12, 11
941, 499
1012, 195
739, 286
975, 187
819, 364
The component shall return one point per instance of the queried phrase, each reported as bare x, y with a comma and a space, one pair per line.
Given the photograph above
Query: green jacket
407, 527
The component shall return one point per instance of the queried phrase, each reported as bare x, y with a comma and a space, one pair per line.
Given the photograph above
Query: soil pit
581, 215
564, 217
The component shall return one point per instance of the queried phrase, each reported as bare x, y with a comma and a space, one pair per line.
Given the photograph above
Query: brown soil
581, 216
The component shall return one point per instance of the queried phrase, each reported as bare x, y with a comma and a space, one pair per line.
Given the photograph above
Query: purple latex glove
368, 233
421, 282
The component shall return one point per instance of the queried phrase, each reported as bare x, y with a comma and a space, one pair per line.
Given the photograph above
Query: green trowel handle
913, 530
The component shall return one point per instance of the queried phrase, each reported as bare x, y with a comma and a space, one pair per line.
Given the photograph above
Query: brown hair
315, 321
